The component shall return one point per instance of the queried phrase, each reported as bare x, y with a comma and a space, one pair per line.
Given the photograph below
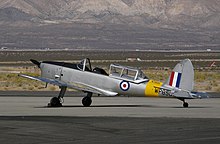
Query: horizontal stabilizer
190, 95
200, 95
182, 94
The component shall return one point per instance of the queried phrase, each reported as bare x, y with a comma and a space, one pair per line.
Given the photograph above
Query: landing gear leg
185, 104
87, 100
56, 101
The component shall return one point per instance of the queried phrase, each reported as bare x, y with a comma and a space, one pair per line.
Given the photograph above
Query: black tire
55, 102
86, 101
185, 105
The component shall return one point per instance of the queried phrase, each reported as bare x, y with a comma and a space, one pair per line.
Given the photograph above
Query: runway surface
109, 120
111, 107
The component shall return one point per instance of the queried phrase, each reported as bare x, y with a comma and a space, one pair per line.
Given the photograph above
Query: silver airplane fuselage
74, 77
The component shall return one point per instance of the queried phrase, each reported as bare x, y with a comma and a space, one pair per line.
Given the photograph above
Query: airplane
121, 80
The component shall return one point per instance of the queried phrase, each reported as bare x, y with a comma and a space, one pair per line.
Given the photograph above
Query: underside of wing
93, 89
46, 80
73, 85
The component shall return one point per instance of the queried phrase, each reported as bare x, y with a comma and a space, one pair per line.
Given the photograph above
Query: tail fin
182, 76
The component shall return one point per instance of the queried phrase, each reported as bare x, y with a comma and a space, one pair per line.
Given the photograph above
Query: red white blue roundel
124, 85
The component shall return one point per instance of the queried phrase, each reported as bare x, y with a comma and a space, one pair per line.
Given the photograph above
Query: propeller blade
35, 62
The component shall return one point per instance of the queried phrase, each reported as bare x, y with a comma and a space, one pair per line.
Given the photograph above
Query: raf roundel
124, 85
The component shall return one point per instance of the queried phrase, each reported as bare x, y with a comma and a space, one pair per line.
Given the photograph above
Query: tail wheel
86, 101
185, 105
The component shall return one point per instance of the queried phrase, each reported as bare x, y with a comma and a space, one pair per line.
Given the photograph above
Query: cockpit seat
100, 71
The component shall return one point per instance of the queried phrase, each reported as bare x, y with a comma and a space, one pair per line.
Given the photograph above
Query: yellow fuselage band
152, 88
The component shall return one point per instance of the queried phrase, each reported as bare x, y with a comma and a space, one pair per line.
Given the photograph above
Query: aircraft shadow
120, 106
192, 107
104, 106
112, 106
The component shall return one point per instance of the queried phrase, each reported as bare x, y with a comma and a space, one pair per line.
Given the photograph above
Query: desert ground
156, 65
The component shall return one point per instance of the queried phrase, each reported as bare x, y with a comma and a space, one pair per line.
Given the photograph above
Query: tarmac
26, 119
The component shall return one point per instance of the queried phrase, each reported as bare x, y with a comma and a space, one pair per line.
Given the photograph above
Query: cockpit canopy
127, 73
116, 71
85, 65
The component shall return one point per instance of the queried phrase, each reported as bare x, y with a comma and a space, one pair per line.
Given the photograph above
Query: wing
46, 80
90, 88
74, 85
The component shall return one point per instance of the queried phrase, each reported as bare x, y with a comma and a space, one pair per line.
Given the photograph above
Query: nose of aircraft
35, 62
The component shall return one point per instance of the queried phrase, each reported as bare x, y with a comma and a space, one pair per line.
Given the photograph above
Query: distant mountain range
157, 13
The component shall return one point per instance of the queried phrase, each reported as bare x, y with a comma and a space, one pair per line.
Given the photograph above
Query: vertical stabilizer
182, 76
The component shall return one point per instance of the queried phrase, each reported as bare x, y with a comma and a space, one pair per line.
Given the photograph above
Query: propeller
35, 62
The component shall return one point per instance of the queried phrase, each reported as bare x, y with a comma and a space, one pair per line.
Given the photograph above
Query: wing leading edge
73, 85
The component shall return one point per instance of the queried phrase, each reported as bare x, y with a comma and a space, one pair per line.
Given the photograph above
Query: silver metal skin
121, 80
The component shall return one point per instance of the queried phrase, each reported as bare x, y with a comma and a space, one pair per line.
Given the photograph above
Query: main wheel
86, 101
55, 102
185, 105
